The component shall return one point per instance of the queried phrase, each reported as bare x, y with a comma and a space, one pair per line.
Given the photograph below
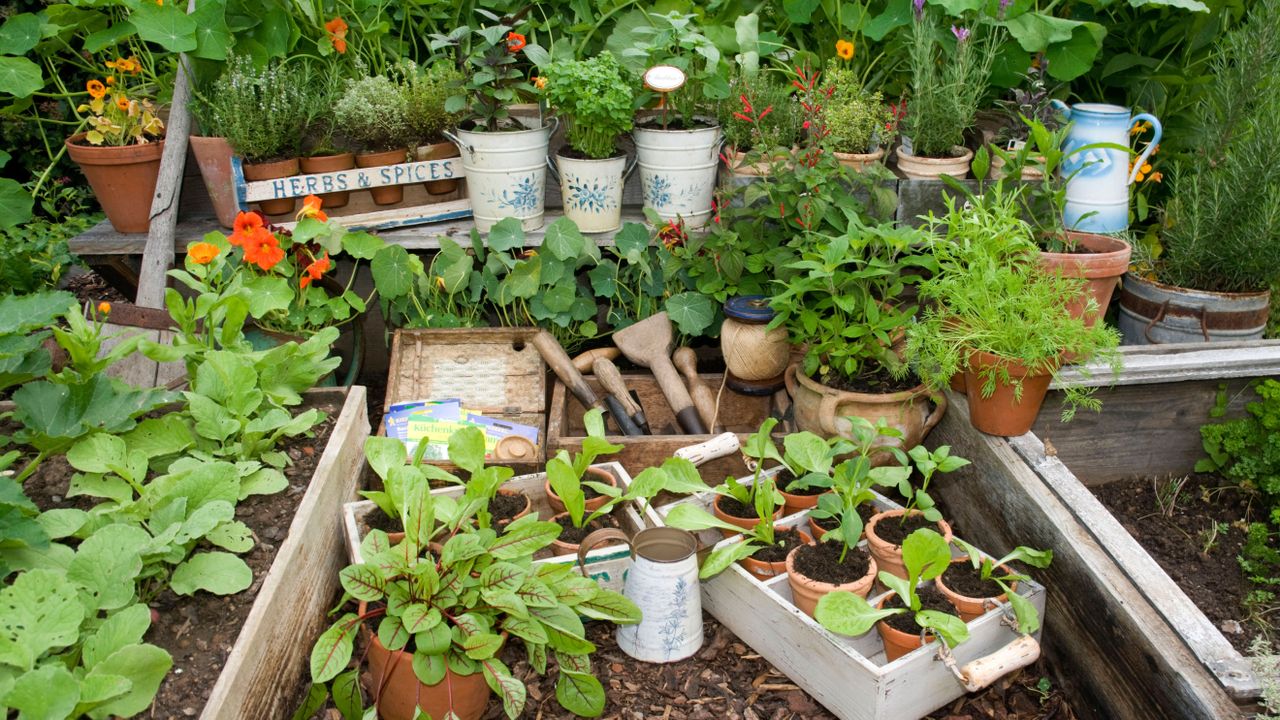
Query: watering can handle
551, 167
590, 542
454, 139
1061, 107
1151, 146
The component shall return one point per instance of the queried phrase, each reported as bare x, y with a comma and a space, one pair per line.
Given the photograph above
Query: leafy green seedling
1023, 610
928, 463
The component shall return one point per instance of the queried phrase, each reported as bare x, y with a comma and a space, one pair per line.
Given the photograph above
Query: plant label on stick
664, 79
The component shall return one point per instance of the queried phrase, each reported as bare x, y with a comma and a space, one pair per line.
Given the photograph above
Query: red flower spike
766, 112
742, 117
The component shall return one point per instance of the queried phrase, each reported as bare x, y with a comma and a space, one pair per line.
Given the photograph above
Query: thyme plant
374, 113
255, 109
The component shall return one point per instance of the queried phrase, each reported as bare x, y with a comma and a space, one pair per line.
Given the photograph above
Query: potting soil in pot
832, 523
880, 381
964, 579
573, 535
729, 506
930, 599
503, 508
895, 530
785, 478
784, 541
822, 562
1194, 533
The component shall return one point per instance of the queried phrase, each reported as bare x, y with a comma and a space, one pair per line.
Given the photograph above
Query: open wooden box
741, 414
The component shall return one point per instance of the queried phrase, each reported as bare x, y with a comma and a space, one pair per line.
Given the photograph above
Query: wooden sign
409, 212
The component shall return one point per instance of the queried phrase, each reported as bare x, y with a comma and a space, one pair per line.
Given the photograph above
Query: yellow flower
202, 253
844, 48
540, 83
1138, 177
1156, 177
440, 282
1146, 168
104, 307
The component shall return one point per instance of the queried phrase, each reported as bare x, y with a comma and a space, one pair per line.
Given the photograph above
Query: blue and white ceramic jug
1098, 188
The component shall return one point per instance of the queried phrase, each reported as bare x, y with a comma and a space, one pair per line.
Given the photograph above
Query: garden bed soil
822, 562
895, 530
574, 536
90, 287
1182, 541
877, 382
784, 541
199, 631
930, 599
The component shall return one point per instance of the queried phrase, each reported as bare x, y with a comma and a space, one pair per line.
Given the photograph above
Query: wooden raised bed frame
270, 656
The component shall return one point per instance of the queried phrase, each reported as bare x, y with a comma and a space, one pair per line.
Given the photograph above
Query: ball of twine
752, 352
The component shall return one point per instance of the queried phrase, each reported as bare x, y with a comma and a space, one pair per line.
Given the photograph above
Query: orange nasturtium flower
122, 102
245, 225
540, 83
262, 249
844, 48
104, 307
315, 270
311, 209
337, 29
96, 89
515, 42
202, 253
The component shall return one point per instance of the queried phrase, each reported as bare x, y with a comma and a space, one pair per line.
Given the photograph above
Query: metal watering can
663, 583
1099, 178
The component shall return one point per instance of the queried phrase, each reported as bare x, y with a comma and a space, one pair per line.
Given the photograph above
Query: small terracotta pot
744, 523
599, 475
329, 163
896, 642
272, 171
798, 503
860, 161
957, 382
765, 570
1104, 260
806, 592
123, 179
1000, 414
391, 194
528, 504
559, 547
438, 151
967, 607
213, 155
816, 530
916, 167
887, 555
396, 689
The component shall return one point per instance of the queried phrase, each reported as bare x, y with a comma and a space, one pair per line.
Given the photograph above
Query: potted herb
120, 152
323, 85
374, 114
845, 302
885, 536
444, 612
995, 314
852, 480
1025, 105
762, 123
944, 96
972, 581
593, 98
1221, 236
504, 159
426, 91
857, 121
677, 145
258, 110
914, 608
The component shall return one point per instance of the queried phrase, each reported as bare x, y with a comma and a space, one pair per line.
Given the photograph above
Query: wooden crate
741, 414
847, 675
494, 371
270, 656
1130, 643
605, 564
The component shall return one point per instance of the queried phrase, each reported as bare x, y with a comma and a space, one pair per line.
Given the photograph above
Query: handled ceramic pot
1098, 178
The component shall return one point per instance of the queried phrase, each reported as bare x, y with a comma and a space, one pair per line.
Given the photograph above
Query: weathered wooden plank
1145, 364
1120, 657
270, 656
1204, 640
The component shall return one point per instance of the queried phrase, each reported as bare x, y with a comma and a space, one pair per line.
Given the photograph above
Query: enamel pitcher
663, 582
1099, 178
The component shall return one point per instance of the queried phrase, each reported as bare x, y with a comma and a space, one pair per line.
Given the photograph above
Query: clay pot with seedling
885, 530
969, 582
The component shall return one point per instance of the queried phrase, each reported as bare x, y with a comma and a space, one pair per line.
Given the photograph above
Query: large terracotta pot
806, 592
967, 607
917, 167
390, 194
744, 523
439, 151
395, 688
213, 155
1104, 260
765, 570
599, 475
821, 410
272, 171
123, 179
860, 161
330, 163
887, 555
1003, 413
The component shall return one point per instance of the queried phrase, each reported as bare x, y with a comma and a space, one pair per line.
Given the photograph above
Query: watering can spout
1063, 108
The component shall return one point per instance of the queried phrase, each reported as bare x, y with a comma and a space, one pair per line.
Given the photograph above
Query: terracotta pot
559, 547
1000, 414
887, 555
1106, 260
860, 161
329, 163
970, 608
1029, 172
817, 530
765, 570
123, 179
736, 161
213, 155
528, 504
272, 171
744, 523
896, 642
798, 503
396, 689
806, 592
957, 382
821, 410
391, 194
594, 473
439, 151
916, 167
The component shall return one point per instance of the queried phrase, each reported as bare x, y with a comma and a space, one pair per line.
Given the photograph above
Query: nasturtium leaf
506, 234
19, 34
394, 271
109, 36
362, 245
1073, 58
213, 37
19, 77
168, 26
692, 312
217, 572
564, 240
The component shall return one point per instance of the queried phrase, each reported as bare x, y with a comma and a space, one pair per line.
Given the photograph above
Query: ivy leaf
217, 572
166, 25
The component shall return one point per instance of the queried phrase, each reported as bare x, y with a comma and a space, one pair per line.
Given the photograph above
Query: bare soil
784, 541
963, 579
930, 599
875, 381
895, 530
822, 562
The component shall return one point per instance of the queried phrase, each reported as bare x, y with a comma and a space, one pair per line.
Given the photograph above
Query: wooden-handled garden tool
648, 344
611, 379
687, 363
558, 360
